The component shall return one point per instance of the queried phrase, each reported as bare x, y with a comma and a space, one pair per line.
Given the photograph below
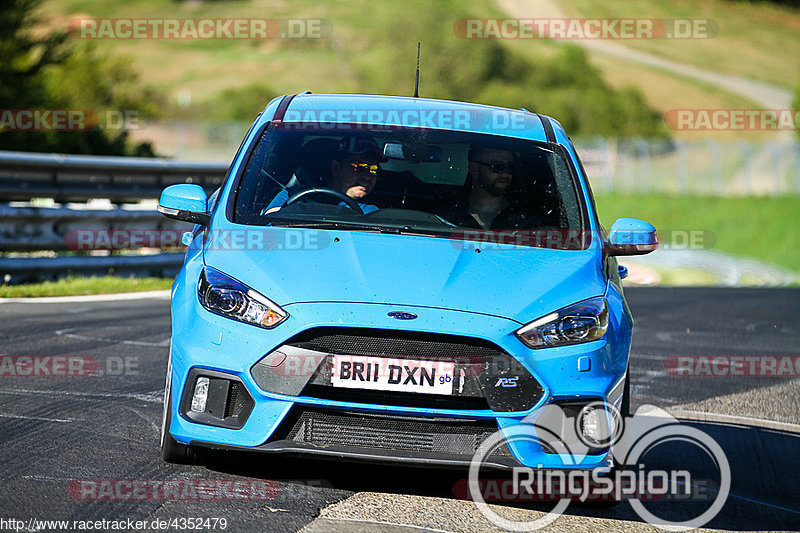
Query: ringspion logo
567, 477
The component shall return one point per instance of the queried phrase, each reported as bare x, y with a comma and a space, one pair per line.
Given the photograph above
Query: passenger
490, 172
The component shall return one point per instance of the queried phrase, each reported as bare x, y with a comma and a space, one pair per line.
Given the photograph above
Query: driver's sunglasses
365, 168
499, 168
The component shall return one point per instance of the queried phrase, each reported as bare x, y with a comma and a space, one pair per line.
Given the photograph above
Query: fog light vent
215, 398
578, 427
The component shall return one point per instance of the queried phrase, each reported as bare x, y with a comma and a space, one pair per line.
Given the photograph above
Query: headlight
581, 322
225, 296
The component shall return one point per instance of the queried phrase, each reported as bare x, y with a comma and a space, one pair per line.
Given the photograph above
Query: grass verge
74, 286
751, 41
760, 227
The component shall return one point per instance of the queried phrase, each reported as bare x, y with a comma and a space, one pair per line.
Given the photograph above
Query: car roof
405, 111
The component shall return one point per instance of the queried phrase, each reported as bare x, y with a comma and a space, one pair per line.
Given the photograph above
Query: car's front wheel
171, 450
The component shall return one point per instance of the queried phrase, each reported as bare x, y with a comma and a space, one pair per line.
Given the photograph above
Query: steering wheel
349, 202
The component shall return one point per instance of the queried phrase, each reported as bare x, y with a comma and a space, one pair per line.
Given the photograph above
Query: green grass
754, 38
371, 49
369, 37
207, 67
72, 286
763, 228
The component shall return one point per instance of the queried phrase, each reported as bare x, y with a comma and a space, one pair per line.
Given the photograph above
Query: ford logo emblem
402, 315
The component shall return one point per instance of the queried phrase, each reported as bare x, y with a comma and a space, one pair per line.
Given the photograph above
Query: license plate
398, 375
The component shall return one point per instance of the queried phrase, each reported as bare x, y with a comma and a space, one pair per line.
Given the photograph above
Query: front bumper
203, 341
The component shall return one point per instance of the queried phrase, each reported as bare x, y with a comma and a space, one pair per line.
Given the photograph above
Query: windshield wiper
335, 225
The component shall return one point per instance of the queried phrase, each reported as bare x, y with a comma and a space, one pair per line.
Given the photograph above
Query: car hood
515, 282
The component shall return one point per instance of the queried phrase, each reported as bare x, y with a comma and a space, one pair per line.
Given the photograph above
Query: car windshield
408, 181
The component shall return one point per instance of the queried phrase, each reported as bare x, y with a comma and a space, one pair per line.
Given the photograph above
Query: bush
242, 104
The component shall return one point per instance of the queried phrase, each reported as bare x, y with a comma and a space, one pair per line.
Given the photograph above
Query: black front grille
484, 376
238, 400
441, 436
464, 351
395, 343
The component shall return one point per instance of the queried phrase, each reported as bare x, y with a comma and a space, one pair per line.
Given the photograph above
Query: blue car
397, 279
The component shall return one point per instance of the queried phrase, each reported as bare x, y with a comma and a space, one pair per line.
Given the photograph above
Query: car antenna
416, 81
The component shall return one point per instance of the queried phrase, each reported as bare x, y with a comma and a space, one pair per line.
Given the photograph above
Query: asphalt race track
58, 430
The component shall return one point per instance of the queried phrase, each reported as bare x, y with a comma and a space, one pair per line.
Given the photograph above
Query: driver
355, 169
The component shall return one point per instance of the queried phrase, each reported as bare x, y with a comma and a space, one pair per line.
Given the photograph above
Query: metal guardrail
68, 179
77, 178
26, 229
14, 270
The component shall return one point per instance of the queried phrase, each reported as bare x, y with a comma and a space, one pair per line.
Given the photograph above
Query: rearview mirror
392, 150
631, 236
185, 201
423, 153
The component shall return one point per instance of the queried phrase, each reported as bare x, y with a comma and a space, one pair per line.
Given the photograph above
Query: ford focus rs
397, 279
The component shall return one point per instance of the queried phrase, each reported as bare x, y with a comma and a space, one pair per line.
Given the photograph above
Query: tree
37, 72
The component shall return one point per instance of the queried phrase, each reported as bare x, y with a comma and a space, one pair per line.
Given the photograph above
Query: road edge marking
141, 295
702, 416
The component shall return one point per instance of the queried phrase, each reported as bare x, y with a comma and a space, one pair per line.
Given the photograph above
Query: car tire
625, 408
624, 411
172, 451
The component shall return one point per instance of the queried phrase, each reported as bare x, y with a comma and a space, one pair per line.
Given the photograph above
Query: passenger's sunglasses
499, 168
365, 168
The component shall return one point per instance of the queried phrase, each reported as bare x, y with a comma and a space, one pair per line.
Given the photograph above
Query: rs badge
506, 382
